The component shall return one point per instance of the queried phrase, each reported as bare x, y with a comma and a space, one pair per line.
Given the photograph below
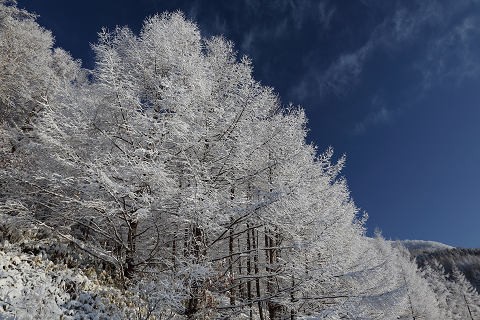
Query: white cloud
293, 13
193, 11
345, 71
220, 25
325, 13
406, 24
454, 56
247, 41
380, 115
401, 28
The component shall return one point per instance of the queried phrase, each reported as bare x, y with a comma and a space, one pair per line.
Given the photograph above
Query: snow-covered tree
436, 277
30, 68
463, 301
421, 300
455, 295
32, 73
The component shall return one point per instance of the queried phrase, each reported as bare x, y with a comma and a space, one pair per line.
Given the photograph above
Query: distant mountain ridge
422, 246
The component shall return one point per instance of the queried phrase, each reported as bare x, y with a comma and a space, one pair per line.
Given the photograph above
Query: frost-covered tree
30, 68
32, 73
372, 285
421, 302
463, 301
456, 296
25, 59
436, 277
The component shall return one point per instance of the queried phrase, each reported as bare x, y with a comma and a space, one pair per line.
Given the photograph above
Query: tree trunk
468, 307
274, 309
230, 252
230, 267
241, 287
249, 272
293, 313
174, 249
256, 270
131, 251
197, 250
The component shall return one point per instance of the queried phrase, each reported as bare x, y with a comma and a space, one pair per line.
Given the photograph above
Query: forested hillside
466, 260
168, 183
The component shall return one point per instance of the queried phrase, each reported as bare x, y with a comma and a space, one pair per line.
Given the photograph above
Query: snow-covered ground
33, 287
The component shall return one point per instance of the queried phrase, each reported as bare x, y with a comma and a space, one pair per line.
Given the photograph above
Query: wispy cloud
443, 37
326, 13
294, 14
400, 28
345, 71
257, 34
338, 78
453, 57
381, 115
220, 25
299, 11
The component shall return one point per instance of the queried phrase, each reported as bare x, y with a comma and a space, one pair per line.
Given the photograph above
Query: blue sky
392, 84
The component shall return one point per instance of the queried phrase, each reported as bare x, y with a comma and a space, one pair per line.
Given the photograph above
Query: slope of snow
418, 246
33, 287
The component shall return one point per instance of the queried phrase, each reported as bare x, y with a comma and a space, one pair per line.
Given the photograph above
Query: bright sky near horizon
392, 84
